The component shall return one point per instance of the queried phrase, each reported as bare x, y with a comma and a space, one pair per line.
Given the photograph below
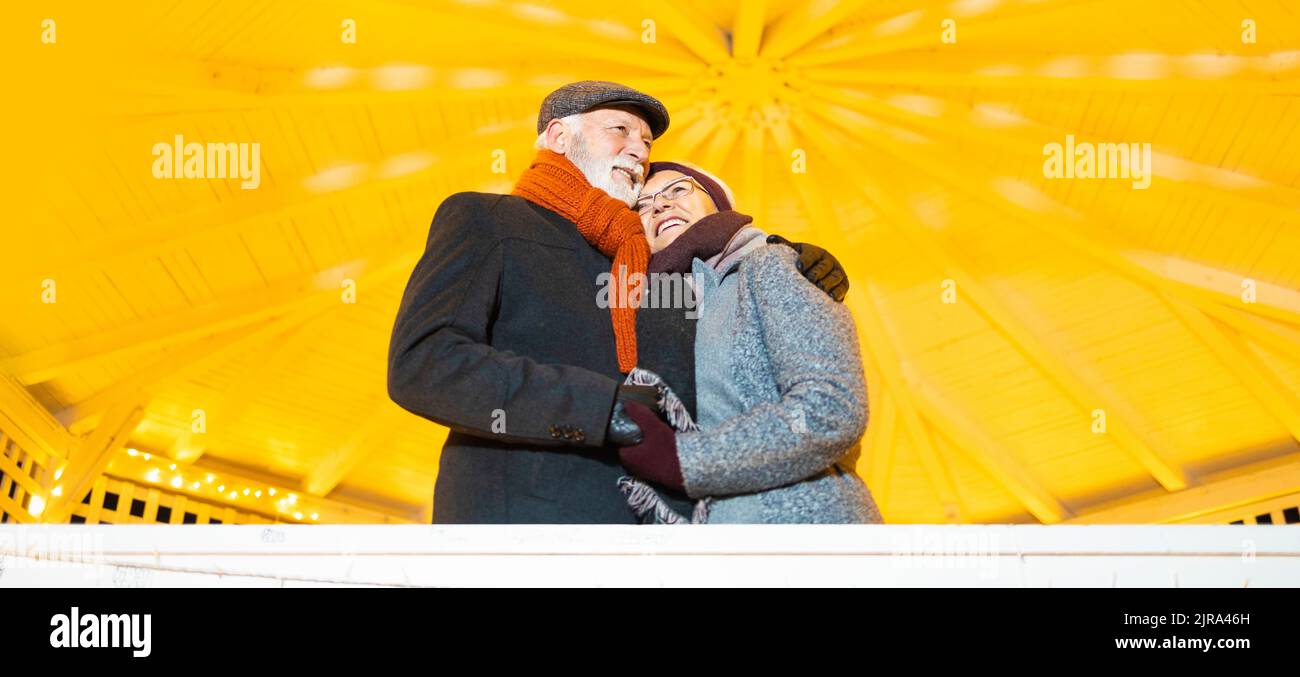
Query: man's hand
623, 430
818, 266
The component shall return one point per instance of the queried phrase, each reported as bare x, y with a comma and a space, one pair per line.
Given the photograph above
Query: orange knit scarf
554, 182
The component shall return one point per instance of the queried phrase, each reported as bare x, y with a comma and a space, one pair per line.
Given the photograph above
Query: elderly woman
780, 391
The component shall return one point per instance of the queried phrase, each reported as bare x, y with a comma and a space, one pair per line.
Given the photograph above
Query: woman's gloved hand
654, 458
818, 266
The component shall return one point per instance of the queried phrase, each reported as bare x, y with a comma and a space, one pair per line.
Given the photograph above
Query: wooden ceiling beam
539, 38
265, 370
1242, 363
882, 447
694, 30
1272, 301
1082, 386
1279, 338
1038, 212
186, 361
1183, 300
269, 207
862, 43
30, 425
1247, 195
683, 143
862, 78
1238, 488
878, 350
92, 454
231, 312
991, 455
376, 428
803, 23
719, 148
747, 29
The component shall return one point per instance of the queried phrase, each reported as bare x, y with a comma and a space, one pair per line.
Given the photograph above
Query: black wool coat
500, 338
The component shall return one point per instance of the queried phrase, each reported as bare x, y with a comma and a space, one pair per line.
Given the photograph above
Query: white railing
715, 555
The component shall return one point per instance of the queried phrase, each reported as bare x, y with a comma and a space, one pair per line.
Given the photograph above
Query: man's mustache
638, 173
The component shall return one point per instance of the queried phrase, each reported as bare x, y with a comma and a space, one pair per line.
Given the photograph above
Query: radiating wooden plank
747, 31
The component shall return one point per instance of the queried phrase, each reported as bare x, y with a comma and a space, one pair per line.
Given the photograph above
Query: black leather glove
818, 266
623, 431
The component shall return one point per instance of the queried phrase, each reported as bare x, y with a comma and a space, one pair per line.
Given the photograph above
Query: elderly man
501, 338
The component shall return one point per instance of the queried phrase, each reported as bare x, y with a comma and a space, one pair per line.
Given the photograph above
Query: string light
285, 502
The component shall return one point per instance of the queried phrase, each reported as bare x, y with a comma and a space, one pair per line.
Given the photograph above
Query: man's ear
557, 136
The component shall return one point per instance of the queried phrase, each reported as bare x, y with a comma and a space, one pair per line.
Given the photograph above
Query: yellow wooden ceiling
923, 175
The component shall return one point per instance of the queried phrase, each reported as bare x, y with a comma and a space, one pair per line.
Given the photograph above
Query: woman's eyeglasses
671, 192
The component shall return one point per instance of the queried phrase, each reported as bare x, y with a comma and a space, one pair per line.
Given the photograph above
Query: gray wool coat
781, 396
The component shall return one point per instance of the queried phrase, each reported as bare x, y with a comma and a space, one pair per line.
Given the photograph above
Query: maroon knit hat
712, 187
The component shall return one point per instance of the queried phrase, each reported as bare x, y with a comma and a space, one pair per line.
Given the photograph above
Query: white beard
600, 172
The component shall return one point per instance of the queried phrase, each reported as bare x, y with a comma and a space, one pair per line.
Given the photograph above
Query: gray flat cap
580, 97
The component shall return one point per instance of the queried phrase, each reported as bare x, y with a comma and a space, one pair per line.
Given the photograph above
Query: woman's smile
672, 221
